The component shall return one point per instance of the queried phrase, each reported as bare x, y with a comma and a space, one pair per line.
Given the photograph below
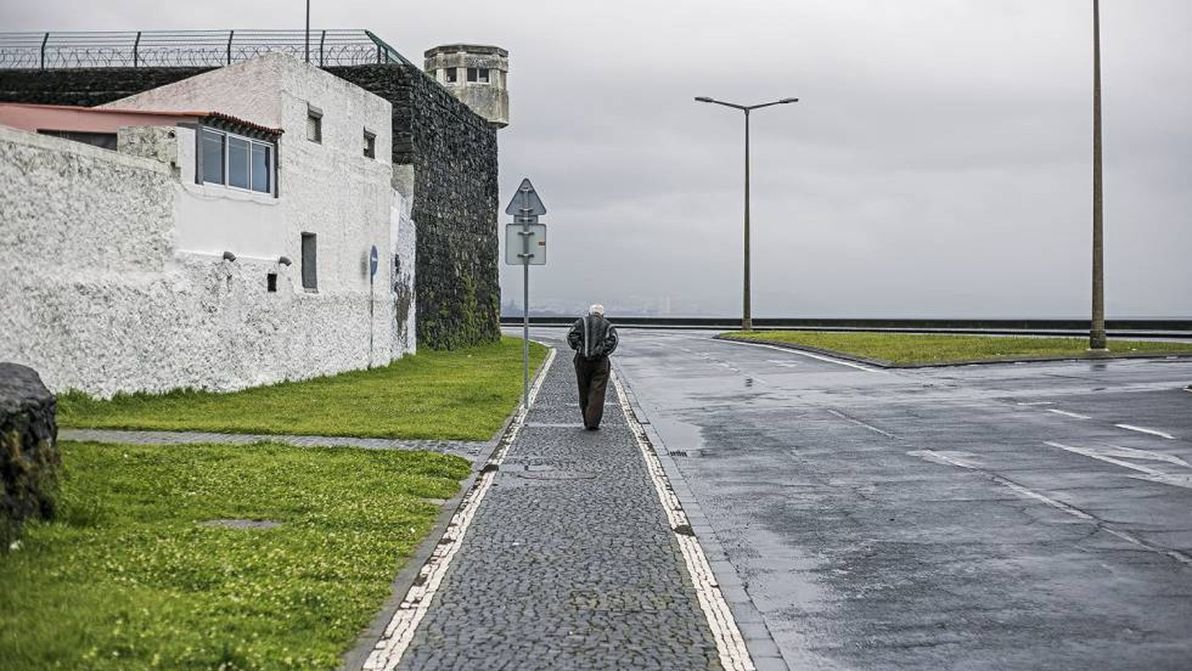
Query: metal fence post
322, 38
136, 46
43, 50
231, 33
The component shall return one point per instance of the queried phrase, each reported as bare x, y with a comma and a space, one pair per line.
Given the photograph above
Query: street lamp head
704, 99
788, 100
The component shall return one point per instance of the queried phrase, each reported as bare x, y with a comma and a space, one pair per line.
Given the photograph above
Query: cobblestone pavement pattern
569, 563
467, 450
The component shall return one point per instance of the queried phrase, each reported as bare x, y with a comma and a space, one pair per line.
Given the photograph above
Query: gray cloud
938, 165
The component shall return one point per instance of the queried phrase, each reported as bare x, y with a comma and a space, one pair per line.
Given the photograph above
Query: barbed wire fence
188, 48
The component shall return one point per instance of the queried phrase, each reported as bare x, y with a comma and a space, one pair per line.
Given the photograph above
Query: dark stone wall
87, 87
454, 154
29, 457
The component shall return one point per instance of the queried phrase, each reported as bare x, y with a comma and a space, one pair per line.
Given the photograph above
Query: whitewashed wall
117, 281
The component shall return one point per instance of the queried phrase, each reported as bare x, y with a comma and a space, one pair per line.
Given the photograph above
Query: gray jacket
593, 337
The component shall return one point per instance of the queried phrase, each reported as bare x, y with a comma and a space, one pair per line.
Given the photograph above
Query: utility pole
746, 299
1097, 339
308, 31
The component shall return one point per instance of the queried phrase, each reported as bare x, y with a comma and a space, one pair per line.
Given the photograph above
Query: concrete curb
367, 641
880, 363
758, 639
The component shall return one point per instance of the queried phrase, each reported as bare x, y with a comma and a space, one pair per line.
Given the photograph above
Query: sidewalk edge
764, 652
368, 639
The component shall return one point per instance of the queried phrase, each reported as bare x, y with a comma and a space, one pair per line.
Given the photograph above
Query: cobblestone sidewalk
569, 562
467, 450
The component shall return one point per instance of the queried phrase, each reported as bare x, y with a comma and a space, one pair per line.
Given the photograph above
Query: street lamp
747, 318
1097, 324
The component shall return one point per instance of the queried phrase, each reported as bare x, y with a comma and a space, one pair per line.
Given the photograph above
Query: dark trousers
592, 377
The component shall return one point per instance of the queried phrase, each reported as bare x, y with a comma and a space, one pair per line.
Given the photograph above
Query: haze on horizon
938, 164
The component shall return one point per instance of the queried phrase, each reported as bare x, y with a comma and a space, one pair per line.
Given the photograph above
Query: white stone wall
113, 277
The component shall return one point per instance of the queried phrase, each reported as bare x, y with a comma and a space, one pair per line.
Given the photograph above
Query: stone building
224, 244
476, 74
444, 154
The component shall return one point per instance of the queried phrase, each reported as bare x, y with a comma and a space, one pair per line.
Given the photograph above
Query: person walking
593, 338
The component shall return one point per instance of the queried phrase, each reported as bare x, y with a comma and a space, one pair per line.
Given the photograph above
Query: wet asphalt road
980, 517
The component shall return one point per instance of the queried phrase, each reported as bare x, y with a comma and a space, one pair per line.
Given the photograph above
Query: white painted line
1139, 429
858, 422
415, 604
945, 458
730, 645
1130, 453
1065, 413
1030, 403
809, 355
1100, 456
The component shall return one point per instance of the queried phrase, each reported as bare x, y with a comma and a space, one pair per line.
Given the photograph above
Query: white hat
596, 309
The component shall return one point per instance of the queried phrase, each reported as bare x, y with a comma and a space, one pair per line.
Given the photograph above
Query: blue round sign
372, 262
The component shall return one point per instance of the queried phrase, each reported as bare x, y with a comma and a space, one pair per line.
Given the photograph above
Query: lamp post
1097, 324
747, 317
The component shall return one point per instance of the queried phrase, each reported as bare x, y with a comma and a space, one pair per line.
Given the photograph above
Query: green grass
128, 577
464, 394
910, 349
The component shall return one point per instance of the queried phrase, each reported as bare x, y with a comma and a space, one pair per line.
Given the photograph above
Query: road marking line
1139, 429
416, 602
858, 422
730, 645
940, 457
809, 355
1065, 413
1094, 454
1030, 403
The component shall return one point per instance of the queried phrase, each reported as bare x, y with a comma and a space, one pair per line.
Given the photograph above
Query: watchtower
475, 74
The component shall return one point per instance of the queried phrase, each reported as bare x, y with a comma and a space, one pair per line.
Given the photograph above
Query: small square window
370, 144
482, 75
472, 74
314, 124
271, 283
450, 75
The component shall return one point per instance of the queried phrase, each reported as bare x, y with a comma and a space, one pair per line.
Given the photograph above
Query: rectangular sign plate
514, 246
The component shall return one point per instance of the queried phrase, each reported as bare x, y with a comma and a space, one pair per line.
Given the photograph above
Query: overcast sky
938, 165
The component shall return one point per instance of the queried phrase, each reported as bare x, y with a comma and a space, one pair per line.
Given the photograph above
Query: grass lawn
463, 394
911, 349
130, 577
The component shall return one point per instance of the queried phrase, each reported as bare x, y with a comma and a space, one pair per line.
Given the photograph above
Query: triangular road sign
526, 202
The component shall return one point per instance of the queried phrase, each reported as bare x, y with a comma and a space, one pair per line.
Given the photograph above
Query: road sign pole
371, 328
526, 312
525, 207
373, 261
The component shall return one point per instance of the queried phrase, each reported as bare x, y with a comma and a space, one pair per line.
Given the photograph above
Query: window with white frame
236, 161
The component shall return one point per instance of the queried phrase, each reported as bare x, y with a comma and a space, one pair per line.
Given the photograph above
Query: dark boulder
29, 457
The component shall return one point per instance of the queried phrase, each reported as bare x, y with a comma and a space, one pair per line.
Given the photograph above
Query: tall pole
746, 302
526, 313
747, 317
1097, 326
307, 31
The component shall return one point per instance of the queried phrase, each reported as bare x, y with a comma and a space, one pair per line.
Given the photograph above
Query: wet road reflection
1009, 516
